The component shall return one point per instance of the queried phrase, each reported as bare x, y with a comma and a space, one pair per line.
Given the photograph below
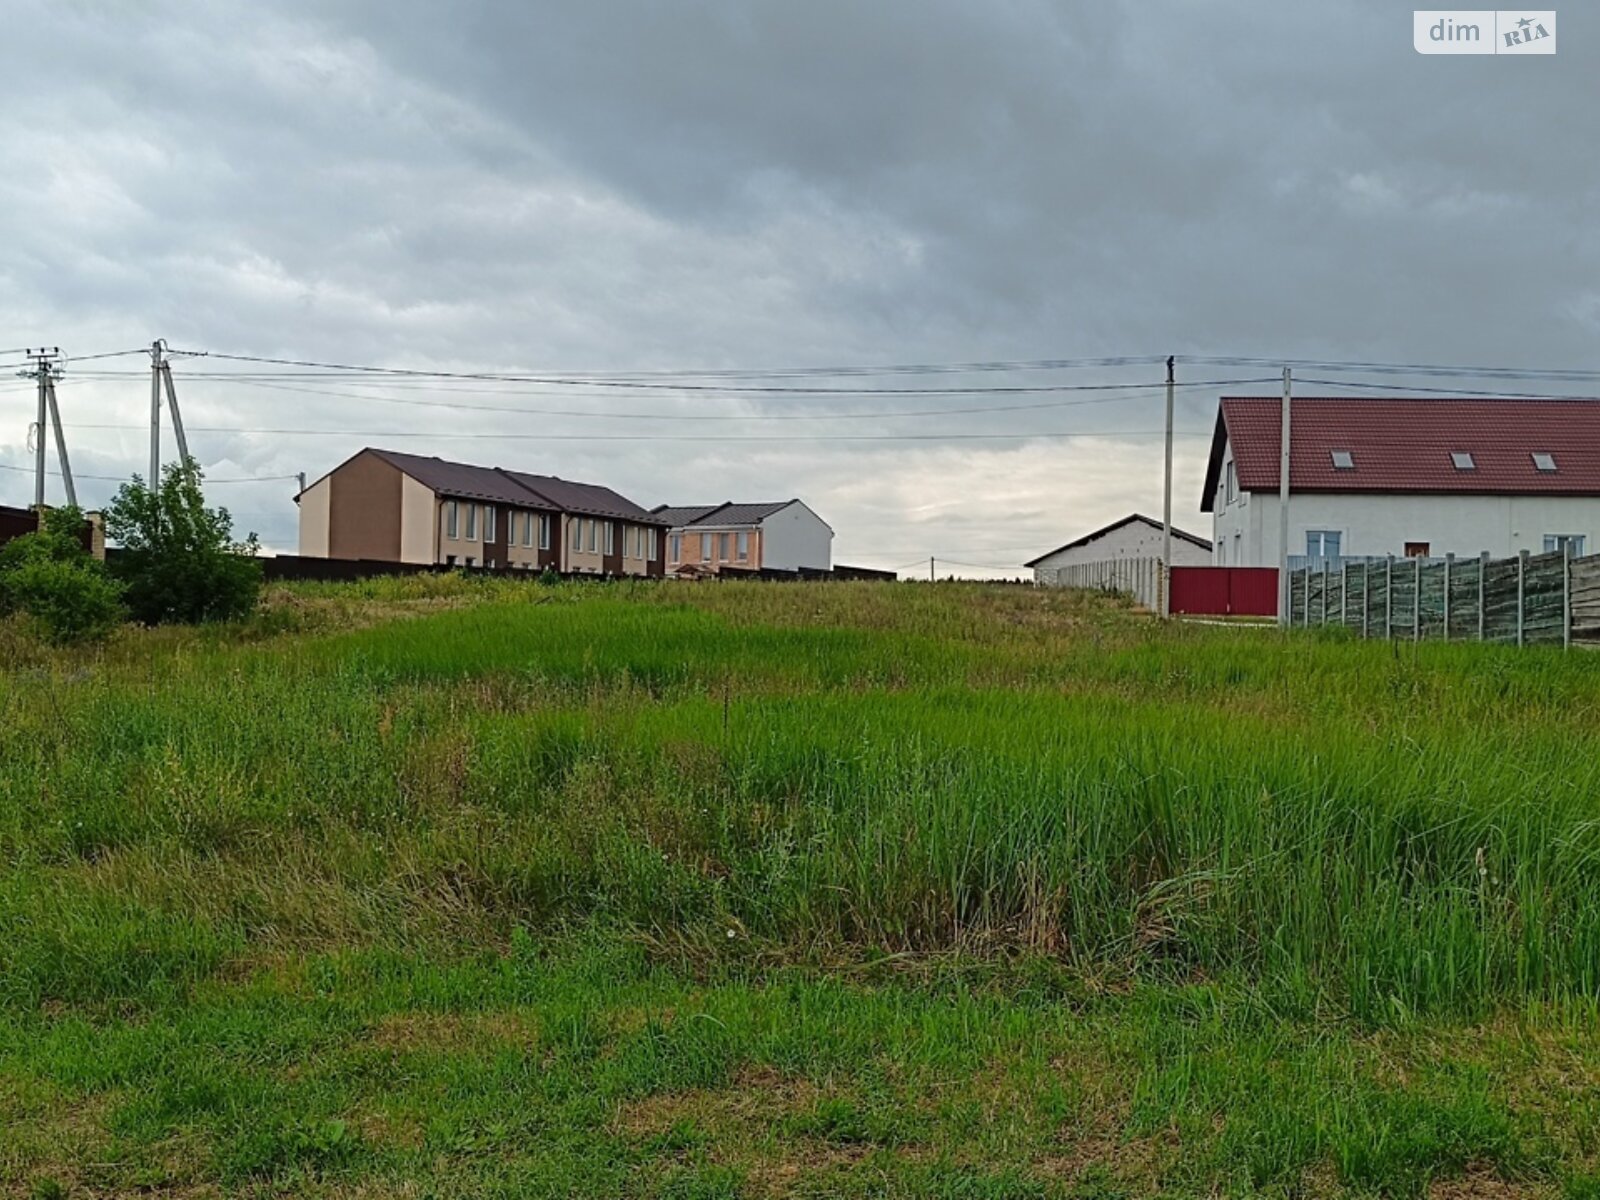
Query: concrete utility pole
930, 568
156, 359
44, 371
161, 380
1283, 506
61, 440
1166, 507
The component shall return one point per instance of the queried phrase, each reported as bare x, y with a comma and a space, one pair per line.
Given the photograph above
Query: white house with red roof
1408, 477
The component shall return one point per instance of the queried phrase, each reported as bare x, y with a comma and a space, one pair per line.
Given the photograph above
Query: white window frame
1553, 543
742, 545
544, 531
452, 520
1231, 484
705, 547
472, 523
1322, 536
611, 537
650, 544
677, 547
594, 535
489, 515
577, 533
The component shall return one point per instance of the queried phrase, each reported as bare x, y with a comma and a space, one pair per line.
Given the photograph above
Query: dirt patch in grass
418, 1032
757, 1099
1481, 1184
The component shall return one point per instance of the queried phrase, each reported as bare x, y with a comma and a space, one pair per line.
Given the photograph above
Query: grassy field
441, 887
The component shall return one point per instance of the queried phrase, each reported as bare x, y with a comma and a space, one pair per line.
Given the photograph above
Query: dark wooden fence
346, 570
1532, 599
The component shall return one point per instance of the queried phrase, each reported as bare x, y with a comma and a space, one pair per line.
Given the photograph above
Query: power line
627, 383
677, 437
1123, 391
124, 478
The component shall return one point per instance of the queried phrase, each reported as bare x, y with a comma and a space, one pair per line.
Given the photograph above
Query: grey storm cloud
630, 185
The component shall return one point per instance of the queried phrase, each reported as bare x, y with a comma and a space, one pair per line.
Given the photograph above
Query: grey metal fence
1141, 578
1549, 599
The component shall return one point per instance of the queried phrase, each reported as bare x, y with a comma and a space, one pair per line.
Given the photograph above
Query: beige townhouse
392, 507
706, 539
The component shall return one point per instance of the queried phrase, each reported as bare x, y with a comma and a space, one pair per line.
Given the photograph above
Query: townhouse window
722, 547
544, 531
638, 540
472, 523
577, 533
1233, 481
594, 535
676, 546
744, 546
705, 547
452, 519
611, 537
489, 511
650, 542
1572, 543
449, 560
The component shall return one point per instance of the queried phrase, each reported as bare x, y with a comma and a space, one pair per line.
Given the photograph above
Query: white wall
1133, 540
314, 518
1377, 525
795, 537
418, 521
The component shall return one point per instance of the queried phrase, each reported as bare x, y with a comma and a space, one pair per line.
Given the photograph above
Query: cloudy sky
625, 186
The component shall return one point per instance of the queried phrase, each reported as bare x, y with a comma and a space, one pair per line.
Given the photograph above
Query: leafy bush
179, 561
50, 577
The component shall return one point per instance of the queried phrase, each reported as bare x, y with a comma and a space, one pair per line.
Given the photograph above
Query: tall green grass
814, 773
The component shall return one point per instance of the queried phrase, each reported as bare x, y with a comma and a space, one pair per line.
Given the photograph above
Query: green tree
50, 577
179, 561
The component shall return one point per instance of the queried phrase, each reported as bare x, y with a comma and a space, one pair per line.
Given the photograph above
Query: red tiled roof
1405, 445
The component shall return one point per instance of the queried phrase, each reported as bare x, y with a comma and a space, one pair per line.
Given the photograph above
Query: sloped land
439, 887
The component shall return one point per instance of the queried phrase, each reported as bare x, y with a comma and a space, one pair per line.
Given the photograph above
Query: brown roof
1407, 445
718, 515
469, 482
1112, 528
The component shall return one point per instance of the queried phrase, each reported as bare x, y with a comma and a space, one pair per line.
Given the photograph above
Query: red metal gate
1225, 591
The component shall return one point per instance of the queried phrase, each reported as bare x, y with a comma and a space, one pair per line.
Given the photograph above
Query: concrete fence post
1449, 566
1566, 595
1416, 602
1344, 593
1366, 598
1388, 598
1324, 593
1522, 582
1483, 596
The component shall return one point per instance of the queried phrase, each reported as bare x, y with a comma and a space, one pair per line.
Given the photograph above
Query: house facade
784, 535
1408, 477
1136, 536
392, 507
